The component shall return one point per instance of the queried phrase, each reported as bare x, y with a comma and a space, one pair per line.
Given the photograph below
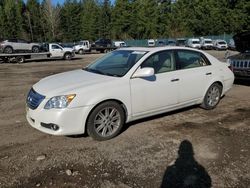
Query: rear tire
212, 97
106, 121
20, 59
67, 56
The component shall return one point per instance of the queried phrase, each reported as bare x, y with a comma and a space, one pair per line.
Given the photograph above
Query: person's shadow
186, 172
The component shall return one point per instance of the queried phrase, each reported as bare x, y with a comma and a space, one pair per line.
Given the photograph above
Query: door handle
208, 73
175, 80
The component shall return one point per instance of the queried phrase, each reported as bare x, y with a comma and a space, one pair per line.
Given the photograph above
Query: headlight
59, 101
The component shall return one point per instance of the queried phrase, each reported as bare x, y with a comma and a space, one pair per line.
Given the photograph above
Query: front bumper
241, 72
69, 121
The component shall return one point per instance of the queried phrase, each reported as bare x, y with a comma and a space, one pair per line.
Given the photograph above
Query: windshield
196, 42
116, 63
208, 41
221, 42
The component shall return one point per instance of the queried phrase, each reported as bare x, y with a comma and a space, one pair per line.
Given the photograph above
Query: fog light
52, 126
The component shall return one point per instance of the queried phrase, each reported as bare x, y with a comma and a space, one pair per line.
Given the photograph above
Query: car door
56, 51
159, 92
23, 45
194, 74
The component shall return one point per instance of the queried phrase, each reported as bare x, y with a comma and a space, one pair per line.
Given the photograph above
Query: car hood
242, 41
68, 82
68, 49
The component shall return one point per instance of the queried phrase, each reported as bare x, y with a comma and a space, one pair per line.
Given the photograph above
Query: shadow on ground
242, 81
186, 172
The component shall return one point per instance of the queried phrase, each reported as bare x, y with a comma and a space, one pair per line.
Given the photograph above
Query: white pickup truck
49, 51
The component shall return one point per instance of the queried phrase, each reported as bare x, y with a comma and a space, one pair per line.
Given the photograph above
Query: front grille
242, 64
34, 99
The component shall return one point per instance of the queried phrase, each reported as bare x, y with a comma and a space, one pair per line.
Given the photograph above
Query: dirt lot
210, 148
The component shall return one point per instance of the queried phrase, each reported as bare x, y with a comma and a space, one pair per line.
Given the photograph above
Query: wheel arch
107, 100
213, 82
8, 46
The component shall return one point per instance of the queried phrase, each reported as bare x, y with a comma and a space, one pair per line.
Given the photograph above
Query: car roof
156, 49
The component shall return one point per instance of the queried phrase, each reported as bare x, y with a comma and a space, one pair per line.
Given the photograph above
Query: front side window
55, 47
190, 59
161, 62
116, 63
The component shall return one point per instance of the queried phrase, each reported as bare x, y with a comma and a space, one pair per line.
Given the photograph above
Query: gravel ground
210, 148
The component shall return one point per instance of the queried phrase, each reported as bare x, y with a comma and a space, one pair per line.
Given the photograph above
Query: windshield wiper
100, 72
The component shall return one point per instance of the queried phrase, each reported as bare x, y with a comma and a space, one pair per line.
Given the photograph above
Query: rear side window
22, 41
190, 59
161, 62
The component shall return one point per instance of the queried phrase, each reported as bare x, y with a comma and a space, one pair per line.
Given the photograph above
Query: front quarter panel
92, 95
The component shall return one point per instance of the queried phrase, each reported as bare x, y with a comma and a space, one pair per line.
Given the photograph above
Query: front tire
8, 50
80, 52
212, 97
106, 121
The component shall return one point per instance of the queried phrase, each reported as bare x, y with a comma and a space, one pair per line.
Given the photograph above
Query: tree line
123, 19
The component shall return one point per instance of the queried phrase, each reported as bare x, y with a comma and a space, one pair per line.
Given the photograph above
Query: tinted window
12, 40
190, 59
161, 62
22, 41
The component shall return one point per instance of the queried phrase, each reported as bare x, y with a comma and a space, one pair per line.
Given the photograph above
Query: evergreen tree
89, 20
12, 19
33, 20
121, 19
104, 21
145, 22
70, 15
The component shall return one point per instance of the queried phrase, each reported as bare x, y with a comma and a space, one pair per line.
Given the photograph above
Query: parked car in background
48, 51
206, 44
171, 42
181, 42
18, 45
241, 62
102, 43
193, 43
119, 44
125, 85
151, 42
231, 45
220, 45
161, 42
82, 46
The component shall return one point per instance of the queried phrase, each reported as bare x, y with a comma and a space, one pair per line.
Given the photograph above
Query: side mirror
144, 72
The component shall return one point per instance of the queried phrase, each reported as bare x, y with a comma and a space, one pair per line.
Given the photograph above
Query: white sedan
125, 85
